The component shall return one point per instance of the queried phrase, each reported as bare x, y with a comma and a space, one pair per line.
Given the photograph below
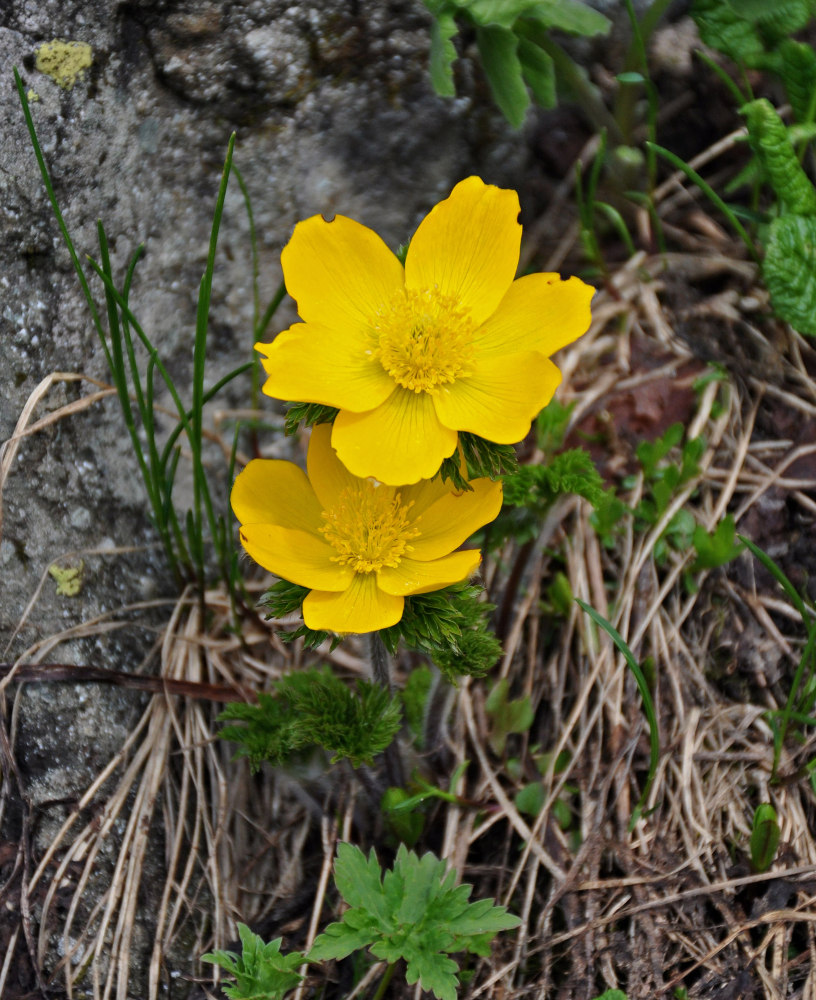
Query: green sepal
307, 415
483, 458
451, 627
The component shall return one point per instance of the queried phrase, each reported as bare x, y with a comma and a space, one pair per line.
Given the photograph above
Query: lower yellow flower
360, 546
412, 356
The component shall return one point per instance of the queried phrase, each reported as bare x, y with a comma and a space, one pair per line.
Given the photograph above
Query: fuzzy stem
381, 673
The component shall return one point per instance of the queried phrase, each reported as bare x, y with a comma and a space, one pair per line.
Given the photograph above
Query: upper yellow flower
413, 355
359, 545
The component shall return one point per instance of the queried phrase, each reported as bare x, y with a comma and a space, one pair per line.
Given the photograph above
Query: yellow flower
411, 356
360, 546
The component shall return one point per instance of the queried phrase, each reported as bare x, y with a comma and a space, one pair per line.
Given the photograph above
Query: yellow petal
415, 577
450, 521
500, 399
340, 273
540, 312
327, 474
401, 441
297, 556
363, 607
269, 491
312, 363
468, 247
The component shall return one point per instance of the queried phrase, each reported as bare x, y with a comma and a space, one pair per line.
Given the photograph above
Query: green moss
64, 62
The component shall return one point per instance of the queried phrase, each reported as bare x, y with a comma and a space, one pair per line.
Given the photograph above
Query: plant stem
381, 674
386, 979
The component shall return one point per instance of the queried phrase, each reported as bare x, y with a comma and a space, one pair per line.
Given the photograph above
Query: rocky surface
333, 111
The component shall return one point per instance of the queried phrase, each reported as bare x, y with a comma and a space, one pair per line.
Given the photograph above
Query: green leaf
797, 67
498, 48
502, 13
722, 28
646, 697
538, 70
443, 54
789, 270
717, 547
313, 708
765, 835
506, 716
415, 912
569, 15
261, 972
612, 995
530, 799
769, 140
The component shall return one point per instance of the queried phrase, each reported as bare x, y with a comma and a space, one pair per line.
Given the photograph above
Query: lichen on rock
64, 62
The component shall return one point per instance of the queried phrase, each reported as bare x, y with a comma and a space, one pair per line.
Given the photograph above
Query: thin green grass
199, 544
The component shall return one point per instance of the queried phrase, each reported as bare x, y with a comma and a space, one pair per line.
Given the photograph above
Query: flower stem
381, 674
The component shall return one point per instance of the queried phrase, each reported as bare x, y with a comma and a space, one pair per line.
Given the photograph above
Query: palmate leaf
261, 972
415, 912
789, 270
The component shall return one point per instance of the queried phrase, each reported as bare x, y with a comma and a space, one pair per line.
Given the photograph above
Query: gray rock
334, 113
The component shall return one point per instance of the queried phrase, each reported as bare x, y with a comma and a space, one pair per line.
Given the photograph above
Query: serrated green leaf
498, 48
769, 140
502, 13
777, 19
339, 940
261, 972
797, 67
443, 54
415, 912
789, 270
722, 28
358, 880
538, 70
571, 16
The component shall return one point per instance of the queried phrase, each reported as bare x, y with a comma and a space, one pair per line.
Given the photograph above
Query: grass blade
646, 696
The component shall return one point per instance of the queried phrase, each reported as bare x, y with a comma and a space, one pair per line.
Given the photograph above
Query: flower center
424, 339
368, 528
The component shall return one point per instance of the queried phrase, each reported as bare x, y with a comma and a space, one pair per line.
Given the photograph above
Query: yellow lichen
68, 580
64, 62
32, 96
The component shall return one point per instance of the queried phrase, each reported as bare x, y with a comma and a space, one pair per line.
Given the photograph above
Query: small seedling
261, 972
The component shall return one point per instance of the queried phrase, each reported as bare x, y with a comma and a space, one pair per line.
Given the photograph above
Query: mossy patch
64, 62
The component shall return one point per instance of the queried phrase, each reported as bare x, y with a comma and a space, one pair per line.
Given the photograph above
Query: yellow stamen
368, 527
425, 339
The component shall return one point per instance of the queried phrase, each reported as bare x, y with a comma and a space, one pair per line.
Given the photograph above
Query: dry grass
668, 904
